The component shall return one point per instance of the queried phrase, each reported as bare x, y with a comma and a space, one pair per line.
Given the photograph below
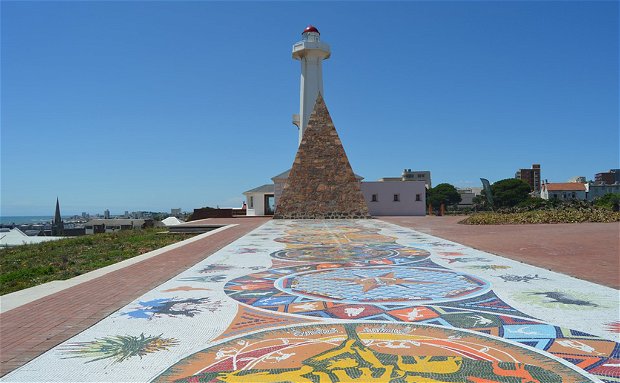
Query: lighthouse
311, 52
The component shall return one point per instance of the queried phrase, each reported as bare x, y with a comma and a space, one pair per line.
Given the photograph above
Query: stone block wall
321, 184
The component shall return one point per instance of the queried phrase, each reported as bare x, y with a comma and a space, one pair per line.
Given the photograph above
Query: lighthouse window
396, 197
375, 198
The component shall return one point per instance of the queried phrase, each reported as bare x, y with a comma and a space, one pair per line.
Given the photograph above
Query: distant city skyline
159, 105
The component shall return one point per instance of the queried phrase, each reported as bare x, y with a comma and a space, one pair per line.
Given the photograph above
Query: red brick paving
589, 251
29, 330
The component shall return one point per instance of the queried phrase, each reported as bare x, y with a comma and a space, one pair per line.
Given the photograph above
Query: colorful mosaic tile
366, 352
337, 301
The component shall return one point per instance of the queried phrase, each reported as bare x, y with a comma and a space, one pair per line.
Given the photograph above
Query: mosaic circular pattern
383, 285
367, 254
329, 290
365, 352
344, 242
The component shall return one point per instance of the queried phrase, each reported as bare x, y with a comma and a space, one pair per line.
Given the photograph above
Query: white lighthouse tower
311, 52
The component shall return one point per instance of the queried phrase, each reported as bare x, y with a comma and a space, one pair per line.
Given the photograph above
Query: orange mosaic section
376, 352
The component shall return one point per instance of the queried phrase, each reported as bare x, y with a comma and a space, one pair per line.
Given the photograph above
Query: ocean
21, 220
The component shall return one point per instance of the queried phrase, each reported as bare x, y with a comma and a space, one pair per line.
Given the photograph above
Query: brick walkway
30, 330
586, 250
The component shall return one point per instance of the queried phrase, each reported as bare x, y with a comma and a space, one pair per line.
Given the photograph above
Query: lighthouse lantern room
311, 52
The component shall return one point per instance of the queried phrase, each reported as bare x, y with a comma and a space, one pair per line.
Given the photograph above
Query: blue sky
155, 105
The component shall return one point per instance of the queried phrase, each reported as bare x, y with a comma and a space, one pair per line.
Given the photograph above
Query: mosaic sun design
365, 352
333, 291
382, 285
345, 242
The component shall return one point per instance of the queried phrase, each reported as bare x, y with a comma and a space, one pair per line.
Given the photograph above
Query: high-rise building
531, 176
608, 178
106, 214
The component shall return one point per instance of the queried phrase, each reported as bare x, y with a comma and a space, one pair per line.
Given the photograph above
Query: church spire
58, 225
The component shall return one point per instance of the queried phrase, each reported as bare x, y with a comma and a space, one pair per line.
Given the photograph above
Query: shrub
568, 215
608, 200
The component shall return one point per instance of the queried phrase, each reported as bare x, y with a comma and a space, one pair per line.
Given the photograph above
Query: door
269, 204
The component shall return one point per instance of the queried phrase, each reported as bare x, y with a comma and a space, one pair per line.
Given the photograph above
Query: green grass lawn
30, 265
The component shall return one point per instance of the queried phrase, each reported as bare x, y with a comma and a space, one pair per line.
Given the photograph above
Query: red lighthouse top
310, 28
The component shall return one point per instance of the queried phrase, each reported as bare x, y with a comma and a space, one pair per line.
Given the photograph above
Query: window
396, 197
251, 202
418, 197
420, 175
375, 198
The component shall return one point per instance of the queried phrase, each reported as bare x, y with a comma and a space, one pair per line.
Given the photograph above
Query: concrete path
327, 301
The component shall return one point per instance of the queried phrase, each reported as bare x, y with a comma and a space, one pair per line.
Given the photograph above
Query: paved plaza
344, 301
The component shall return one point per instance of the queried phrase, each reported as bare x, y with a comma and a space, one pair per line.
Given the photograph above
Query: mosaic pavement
344, 301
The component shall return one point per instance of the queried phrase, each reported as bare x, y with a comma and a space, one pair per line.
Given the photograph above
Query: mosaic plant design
118, 348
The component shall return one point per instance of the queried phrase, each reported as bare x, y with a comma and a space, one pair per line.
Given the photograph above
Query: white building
412, 175
175, 212
311, 52
580, 179
395, 197
564, 191
16, 237
260, 200
468, 195
172, 221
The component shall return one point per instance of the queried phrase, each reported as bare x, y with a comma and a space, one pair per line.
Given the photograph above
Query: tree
443, 193
608, 200
510, 192
480, 202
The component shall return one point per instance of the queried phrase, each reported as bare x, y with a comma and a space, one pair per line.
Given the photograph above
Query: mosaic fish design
172, 307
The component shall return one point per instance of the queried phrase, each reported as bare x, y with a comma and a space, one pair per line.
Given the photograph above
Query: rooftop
311, 28
562, 186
